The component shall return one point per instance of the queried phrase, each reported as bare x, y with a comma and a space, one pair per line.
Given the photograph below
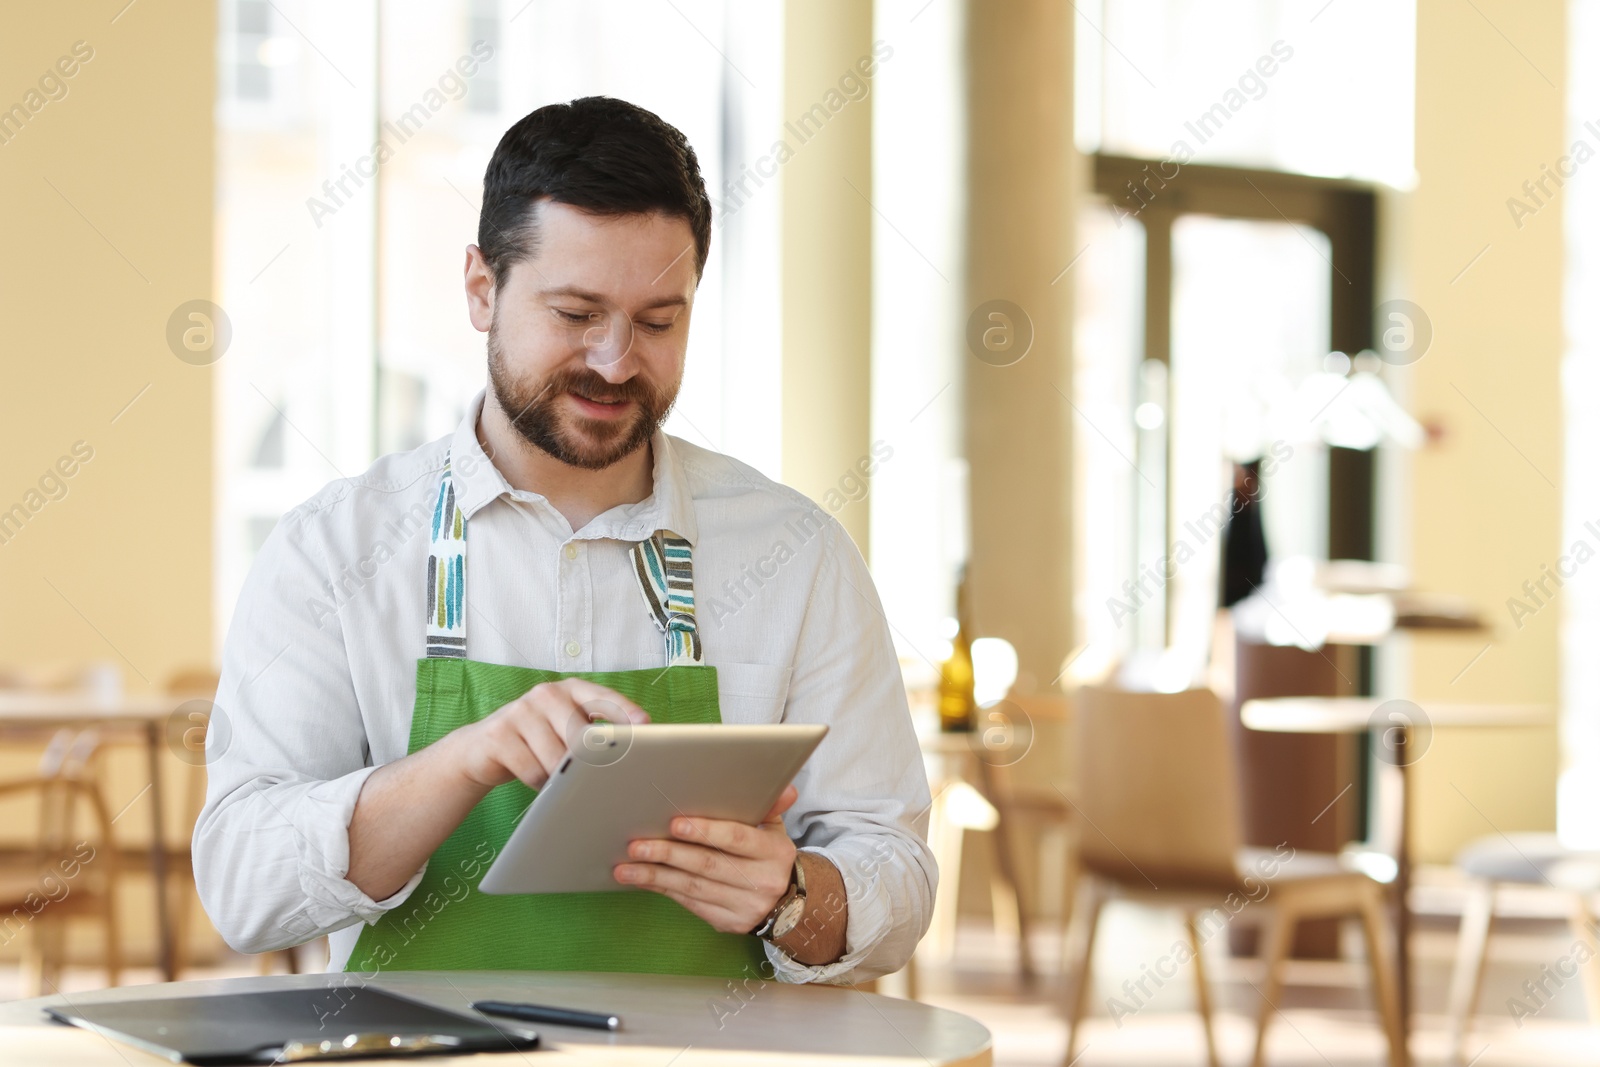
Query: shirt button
572, 553
572, 648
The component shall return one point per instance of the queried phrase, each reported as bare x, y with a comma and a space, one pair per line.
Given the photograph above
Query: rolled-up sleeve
864, 798
287, 755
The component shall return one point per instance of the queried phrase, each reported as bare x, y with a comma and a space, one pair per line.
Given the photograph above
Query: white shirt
319, 676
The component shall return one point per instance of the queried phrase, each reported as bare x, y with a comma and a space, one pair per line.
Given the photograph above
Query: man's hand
528, 738
730, 874
392, 835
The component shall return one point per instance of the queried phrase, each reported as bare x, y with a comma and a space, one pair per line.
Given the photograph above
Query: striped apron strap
447, 575
664, 566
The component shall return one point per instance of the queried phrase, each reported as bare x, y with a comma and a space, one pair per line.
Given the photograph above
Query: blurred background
1234, 354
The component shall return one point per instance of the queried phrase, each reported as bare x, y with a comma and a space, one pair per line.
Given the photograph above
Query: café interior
1203, 384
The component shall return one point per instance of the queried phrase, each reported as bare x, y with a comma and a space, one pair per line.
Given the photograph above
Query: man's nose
608, 347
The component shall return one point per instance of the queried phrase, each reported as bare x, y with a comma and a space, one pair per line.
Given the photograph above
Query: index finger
785, 801
587, 694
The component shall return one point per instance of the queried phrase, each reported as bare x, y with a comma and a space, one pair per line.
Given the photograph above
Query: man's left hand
730, 874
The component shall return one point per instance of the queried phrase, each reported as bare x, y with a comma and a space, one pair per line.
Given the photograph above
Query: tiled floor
1327, 1020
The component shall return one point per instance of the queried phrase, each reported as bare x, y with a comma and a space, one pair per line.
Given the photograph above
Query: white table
1354, 715
666, 1020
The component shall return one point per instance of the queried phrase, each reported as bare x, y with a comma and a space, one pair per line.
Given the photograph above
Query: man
386, 710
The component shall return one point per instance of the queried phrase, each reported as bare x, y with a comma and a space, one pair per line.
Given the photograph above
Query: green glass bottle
958, 708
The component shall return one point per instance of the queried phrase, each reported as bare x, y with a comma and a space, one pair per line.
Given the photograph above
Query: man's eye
575, 317
655, 327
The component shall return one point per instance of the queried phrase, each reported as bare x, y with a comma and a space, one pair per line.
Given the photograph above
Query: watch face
789, 917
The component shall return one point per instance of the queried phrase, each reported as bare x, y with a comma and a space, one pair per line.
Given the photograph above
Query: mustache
591, 386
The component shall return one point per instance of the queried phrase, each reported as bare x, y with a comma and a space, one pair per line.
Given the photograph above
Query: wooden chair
67, 876
958, 807
1011, 765
1158, 800
1032, 789
1518, 859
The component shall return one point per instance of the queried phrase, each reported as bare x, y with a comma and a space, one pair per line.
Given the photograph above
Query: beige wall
827, 258
108, 194
1019, 238
1483, 518
109, 229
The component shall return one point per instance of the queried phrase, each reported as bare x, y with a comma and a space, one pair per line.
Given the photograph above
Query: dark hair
598, 154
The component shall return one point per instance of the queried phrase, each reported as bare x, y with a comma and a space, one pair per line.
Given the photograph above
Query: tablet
621, 782
275, 1026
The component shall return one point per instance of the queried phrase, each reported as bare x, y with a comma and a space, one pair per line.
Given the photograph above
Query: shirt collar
670, 506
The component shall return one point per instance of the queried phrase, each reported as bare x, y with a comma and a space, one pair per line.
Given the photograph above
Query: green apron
446, 923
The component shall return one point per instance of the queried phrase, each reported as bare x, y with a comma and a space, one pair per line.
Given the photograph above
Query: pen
537, 1013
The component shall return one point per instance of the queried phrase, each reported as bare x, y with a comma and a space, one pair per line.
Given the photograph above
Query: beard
535, 409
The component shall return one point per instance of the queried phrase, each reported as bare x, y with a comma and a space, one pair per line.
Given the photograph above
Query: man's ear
480, 289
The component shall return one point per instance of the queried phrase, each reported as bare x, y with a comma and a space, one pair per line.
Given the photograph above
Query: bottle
958, 707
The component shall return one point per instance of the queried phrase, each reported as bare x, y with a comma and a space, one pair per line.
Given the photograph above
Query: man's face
587, 336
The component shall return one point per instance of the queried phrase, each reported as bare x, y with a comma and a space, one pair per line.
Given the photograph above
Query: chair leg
51, 934
1274, 950
1006, 863
181, 887
33, 965
1472, 951
113, 941
1385, 982
1202, 992
1085, 921
946, 837
1070, 880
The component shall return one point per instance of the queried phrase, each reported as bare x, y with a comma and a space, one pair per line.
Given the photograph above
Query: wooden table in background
145, 718
1354, 715
666, 1020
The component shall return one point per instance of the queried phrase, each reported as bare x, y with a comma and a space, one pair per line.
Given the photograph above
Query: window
1175, 369
919, 493
253, 45
1215, 295
483, 24
1310, 88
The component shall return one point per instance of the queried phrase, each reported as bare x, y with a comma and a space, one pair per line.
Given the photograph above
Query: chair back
70, 757
1157, 789
68, 772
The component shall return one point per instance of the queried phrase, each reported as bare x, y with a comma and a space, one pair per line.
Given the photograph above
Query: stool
1518, 859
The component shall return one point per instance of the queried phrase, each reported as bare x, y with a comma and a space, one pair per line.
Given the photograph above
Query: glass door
1250, 303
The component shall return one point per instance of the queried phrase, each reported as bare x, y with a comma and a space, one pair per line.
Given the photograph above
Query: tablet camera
604, 738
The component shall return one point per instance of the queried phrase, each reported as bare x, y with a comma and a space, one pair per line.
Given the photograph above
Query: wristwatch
791, 907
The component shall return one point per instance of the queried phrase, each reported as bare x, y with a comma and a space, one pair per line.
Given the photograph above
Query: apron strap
447, 575
663, 564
